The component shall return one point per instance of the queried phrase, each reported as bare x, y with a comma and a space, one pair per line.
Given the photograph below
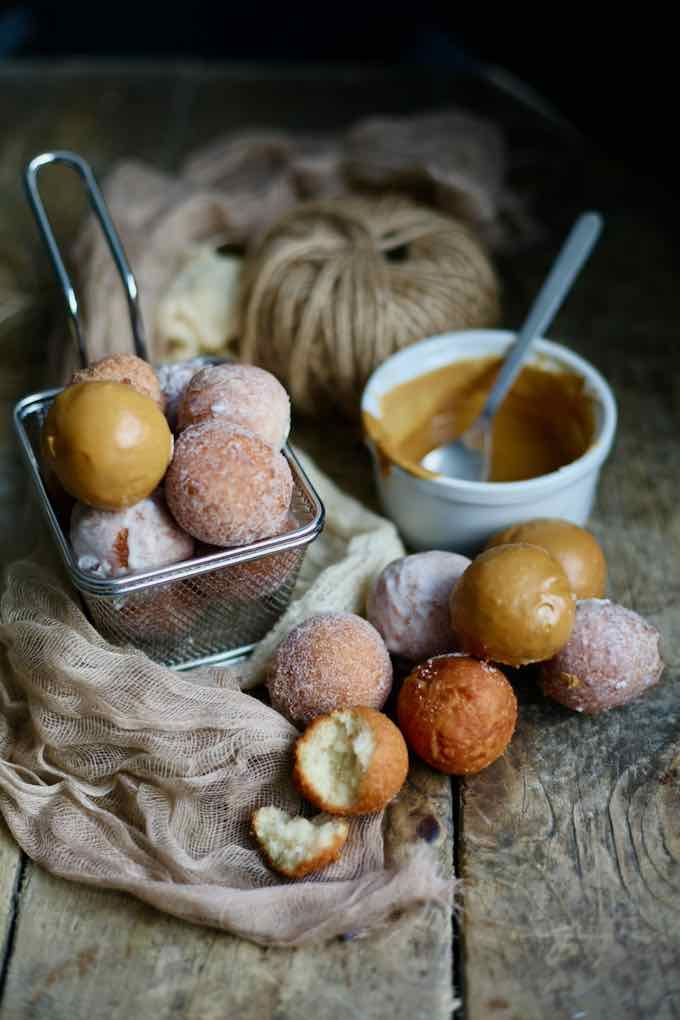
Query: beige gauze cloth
121, 773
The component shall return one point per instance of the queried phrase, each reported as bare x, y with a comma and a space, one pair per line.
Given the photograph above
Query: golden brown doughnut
513, 605
575, 549
457, 714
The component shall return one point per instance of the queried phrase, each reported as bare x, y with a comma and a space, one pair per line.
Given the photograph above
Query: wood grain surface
569, 847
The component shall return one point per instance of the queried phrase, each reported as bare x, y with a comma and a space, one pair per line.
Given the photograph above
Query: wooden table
569, 846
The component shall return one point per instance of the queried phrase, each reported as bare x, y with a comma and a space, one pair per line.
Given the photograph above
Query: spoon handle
566, 267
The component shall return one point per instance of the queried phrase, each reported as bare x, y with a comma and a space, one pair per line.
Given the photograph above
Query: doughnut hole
295, 846
351, 762
612, 657
331, 660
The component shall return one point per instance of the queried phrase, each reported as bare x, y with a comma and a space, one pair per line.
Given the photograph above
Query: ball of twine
335, 287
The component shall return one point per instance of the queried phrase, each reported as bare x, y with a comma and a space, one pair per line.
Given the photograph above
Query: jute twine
335, 287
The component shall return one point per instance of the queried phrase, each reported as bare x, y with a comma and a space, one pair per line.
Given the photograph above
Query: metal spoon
469, 456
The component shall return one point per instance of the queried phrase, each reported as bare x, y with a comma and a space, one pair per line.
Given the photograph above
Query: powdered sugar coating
174, 377
124, 368
331, 660
226, 486
612, 656
241, 394
115, 543
409, 604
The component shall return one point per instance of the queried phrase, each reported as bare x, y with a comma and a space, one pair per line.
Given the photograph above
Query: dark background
611, 77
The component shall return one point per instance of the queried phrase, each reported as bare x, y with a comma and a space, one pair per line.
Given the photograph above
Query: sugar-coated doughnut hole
612, 657
226, 486
124, 368
576, 550
513, 605
141, 537
242, 395
456, 713
331, 660
174, 377
409, 604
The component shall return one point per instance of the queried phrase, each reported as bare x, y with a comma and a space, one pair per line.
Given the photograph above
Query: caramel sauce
545, 422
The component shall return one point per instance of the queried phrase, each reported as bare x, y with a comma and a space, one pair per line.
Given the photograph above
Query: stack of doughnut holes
145, 498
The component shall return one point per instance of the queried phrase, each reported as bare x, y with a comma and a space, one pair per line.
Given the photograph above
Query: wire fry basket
207, 610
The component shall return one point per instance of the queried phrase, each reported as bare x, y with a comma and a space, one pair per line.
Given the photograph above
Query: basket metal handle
96, 200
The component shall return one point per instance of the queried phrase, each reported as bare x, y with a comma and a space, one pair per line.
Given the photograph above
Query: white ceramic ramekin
449, 513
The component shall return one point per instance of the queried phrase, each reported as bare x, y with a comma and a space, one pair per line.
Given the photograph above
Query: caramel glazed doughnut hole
332, 660
513, 605
226, 486
108, 444
575, 549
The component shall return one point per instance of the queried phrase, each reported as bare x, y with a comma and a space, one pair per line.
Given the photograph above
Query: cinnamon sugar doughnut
611, 657
115, 543
331, 660
226, 486
241, 394
409, 604
124, 368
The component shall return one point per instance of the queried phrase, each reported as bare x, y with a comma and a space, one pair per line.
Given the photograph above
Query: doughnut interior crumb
294, 846
335, 757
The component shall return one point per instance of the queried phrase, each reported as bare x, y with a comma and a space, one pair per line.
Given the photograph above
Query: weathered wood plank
83, 954
570, 845
10, 877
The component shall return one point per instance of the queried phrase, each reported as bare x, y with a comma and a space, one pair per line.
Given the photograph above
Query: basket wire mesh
212, 608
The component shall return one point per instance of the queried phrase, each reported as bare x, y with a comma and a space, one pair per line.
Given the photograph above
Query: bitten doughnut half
241, 394
611, 658
513, 605
127, 369
457, 714
575, 549
226, 486
295, 846
331, 660
409, 604
351, 762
